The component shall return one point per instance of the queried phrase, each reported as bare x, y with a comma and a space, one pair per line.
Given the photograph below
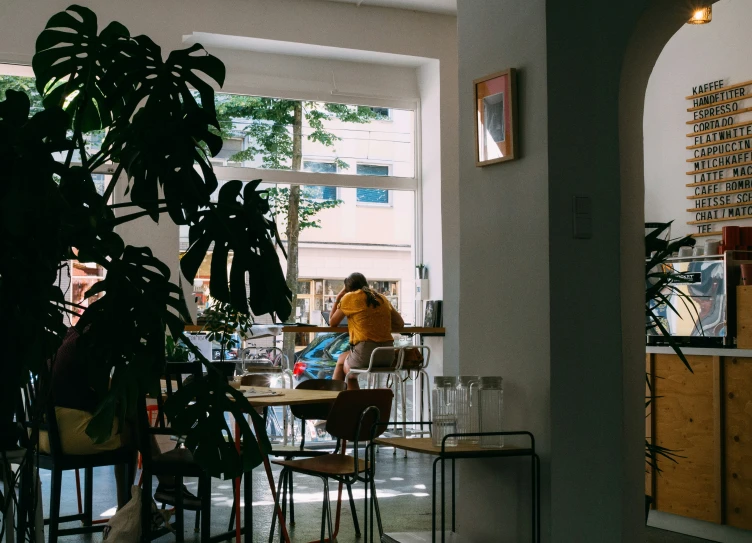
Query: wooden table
289, 396
425, 445
284, 397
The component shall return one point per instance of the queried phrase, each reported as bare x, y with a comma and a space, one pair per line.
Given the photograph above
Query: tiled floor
404, 496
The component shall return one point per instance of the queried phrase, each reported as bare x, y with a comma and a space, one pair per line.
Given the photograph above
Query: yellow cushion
72, 426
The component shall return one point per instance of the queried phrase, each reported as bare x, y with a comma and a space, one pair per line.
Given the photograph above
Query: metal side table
459, 452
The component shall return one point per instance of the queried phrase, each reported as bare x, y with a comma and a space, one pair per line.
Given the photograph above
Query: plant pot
648, 503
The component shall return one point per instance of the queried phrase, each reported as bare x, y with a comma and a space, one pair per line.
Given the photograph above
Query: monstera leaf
240, 224
77, 67
164, 84
125, 326
197, 410
159, 151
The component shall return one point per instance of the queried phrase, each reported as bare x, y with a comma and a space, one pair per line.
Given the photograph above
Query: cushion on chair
72, 425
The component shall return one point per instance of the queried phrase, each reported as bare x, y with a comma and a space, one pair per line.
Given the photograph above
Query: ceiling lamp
702, 16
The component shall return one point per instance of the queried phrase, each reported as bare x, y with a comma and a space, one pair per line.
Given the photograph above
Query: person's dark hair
357, 281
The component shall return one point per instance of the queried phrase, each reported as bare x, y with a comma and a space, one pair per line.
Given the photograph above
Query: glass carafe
444, 411
467, 408
491, 411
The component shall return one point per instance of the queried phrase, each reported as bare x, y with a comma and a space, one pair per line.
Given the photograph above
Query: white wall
695, 55
503, 259
539, 307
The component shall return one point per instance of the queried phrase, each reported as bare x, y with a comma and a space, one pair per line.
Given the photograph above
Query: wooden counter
317, 329
706, 417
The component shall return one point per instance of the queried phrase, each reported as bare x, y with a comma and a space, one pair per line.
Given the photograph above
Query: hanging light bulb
701, 16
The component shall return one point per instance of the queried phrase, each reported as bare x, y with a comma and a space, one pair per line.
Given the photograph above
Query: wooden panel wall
738, 441
706, 416
684, 419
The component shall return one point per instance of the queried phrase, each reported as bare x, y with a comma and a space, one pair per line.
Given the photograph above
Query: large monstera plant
159, 121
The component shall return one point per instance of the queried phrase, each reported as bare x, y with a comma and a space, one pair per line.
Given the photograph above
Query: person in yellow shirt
370, 319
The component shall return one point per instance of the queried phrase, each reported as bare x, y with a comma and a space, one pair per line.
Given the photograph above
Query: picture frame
495, 114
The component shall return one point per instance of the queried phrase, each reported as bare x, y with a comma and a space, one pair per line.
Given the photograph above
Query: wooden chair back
317, 411
344, 420
174, 381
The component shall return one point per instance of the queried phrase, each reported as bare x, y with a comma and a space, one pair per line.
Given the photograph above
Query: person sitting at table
75, 402
370, 320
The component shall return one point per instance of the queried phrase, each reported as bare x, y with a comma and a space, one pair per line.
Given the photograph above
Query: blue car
318, 359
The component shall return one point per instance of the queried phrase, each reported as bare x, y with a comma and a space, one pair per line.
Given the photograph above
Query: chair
352, 418
177, 463
57, 461
312, 412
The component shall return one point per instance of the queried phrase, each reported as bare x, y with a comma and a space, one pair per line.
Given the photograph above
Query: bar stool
423, 378
375, 372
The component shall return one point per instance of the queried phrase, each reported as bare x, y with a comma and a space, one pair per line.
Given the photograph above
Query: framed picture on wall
495, 126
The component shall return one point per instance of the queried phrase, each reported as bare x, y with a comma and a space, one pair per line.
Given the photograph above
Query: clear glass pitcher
491, 411
467, 408
444, 412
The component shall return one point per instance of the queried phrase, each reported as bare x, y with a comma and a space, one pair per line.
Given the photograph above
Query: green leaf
239, 224
72, 65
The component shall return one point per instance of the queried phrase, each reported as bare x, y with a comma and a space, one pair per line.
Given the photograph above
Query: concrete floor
404, 487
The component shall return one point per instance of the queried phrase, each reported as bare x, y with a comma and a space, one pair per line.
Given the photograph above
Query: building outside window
318, 295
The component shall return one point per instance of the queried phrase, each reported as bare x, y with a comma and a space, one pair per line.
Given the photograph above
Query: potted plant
661, 284
160, 130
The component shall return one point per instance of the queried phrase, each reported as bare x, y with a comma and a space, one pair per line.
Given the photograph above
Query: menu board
721, 156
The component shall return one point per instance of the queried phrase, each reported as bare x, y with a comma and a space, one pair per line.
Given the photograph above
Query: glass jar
491, 411
467, 408
444, 412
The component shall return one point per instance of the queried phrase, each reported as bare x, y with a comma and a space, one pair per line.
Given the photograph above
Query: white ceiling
436, 6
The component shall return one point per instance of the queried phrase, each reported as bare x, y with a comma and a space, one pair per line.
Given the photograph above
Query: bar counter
705, 416
316, 329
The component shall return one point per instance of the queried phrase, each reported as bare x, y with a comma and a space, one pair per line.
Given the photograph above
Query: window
318, 295
384, 113
317, 192
335, 137
373, 196
319, 167
358, 176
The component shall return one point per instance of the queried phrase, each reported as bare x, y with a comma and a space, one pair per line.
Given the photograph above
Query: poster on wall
495, 103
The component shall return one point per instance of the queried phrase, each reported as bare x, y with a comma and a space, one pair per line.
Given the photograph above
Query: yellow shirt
367, 323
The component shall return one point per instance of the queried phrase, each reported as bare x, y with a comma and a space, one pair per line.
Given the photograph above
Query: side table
459, 452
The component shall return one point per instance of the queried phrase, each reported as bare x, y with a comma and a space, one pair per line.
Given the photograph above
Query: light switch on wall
582, 217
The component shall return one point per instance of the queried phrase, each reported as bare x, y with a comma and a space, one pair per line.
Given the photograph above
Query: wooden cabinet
705, 416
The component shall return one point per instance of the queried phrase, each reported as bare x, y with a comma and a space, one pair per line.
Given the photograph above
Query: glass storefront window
315, 300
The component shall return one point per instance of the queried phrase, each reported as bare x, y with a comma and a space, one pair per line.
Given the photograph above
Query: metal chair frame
366, 476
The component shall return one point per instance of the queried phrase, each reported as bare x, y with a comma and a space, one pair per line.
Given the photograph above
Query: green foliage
269, 123
22, 84
175, 351
308, 208
50, 212
661, 282
222, 322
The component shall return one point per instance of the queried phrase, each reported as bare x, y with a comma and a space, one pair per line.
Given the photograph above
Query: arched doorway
661, 20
